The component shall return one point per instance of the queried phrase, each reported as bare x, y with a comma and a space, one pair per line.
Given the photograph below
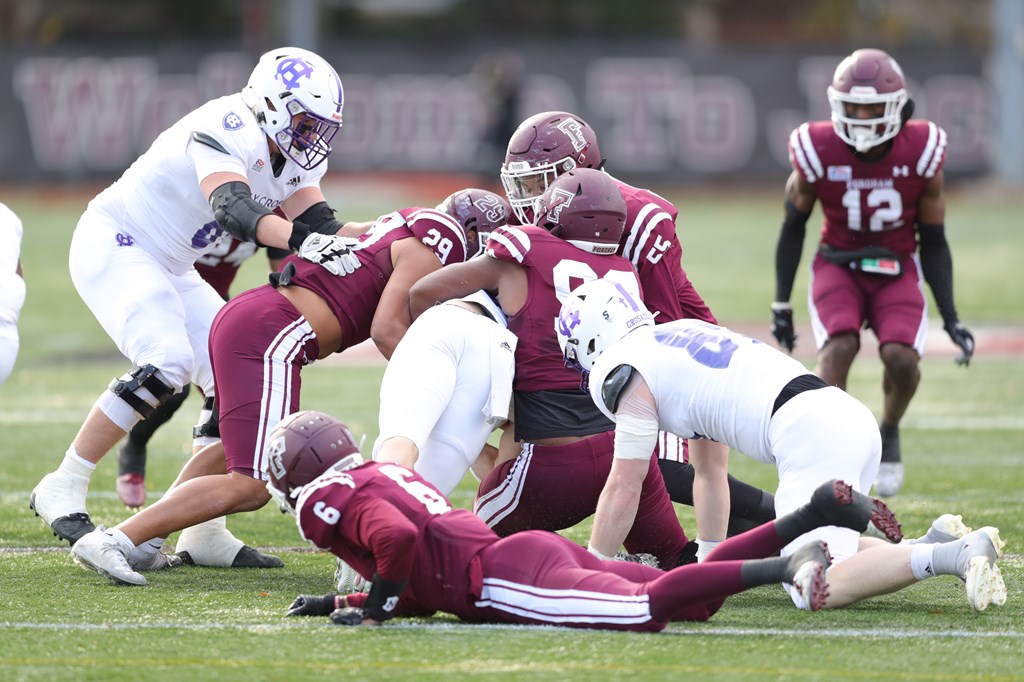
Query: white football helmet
290, 82
868, 76
596, 315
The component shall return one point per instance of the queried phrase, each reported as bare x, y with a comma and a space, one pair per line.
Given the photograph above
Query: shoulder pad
614, 384
209, 141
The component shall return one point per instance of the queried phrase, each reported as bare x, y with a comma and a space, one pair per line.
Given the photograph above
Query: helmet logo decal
560, 198
232, 121
291, 70
276, 452
574, 131
568, 321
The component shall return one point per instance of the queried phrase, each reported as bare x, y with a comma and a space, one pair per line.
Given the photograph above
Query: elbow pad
235, 211
320, 218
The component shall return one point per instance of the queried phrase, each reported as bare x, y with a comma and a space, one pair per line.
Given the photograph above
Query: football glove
962, 337
332, 252
782, 325
349, 615
313, 605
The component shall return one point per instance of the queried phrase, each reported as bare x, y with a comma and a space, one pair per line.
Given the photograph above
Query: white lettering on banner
81, 112
962, 105
662, 117
98, 114
652, 115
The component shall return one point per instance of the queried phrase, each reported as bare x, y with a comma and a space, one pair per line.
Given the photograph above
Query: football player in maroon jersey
421, 556
259, 342
219, 268
552, 465
878, 176
553, 142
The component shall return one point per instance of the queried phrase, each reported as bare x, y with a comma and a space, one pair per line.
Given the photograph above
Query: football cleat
638, 558
889, 480
152, 561
247, 557
99, 551
131, 488
977, 567
807, 567
347, 580
59, 499
840, 505
946, 528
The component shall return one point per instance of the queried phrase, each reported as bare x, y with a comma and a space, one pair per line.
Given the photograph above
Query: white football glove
336, 254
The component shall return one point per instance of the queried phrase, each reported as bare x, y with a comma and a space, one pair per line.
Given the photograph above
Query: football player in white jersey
12, 289
699, 380
223, 168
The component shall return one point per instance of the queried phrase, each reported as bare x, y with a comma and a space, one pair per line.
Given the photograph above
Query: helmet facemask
524, 184
865, 134
307, 141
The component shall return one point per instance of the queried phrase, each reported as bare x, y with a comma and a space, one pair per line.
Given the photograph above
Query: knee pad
143, 389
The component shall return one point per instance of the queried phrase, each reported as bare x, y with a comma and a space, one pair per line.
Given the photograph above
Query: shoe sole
984, 584
810, 581
951, 526
107, 574
57, 527
884, 520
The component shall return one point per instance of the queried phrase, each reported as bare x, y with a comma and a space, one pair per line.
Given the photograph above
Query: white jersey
707, 381
12, 289
158, 199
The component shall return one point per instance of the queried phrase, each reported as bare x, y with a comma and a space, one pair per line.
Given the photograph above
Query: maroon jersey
438, 230
219, 266
554, 267
386, 519
869, 203
651, 244
353, 298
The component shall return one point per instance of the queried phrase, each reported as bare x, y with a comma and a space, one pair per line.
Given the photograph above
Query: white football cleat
101, 553
946, 528
59, 499
347, 580
889, 480
977, 564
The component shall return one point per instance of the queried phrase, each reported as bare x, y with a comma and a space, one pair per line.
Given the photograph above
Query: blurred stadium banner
660, 111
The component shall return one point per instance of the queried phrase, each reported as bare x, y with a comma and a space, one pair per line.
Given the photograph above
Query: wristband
382, 598
299, 233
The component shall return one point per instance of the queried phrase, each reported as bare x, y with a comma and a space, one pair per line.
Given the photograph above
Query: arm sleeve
387, 534
937, 268
636, 422
788, 251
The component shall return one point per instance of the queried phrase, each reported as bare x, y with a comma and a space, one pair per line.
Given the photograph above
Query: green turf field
963, 442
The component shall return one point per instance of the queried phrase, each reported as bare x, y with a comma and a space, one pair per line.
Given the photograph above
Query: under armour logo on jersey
232, 121
291, 70
574, 130
897, 171
125, 240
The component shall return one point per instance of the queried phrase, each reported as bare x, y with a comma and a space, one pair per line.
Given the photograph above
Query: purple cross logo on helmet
291, 70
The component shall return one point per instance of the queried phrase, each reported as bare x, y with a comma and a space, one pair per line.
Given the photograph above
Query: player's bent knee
246, 493
144, 388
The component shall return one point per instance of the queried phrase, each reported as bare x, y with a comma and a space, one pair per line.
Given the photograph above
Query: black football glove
312, 605
962, 337
349, 615
782, 325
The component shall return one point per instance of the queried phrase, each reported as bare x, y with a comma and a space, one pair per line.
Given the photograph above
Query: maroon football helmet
543, 147
868, 76
302, 446
479, 212
585, 208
